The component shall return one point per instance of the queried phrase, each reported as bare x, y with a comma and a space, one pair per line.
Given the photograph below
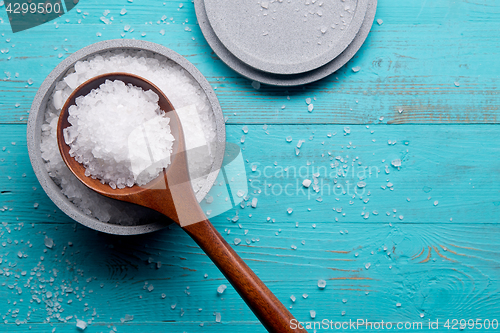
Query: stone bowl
36, 119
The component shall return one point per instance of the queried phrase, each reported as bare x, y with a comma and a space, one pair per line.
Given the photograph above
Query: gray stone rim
284, 80
36, 119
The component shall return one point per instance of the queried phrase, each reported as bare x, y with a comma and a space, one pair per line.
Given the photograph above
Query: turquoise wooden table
418, 244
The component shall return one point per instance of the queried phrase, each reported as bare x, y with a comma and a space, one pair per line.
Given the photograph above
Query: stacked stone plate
285, 42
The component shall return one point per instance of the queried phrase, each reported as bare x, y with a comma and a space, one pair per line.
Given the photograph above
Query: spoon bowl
172, 195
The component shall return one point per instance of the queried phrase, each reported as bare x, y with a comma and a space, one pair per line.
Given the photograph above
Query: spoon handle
265, 305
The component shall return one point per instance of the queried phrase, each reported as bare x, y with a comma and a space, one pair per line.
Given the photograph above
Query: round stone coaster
277, 79
283, 36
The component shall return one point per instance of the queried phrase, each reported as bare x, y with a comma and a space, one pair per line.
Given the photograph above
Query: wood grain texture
418, 268
431, 265
462, 285
410, 62
455, 166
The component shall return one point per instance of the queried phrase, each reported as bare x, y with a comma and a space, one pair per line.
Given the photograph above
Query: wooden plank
369, 271
434, 267
447, 174
410, 62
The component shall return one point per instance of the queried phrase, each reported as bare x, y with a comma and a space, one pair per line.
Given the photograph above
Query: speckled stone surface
286, 37
278, 79
36, 119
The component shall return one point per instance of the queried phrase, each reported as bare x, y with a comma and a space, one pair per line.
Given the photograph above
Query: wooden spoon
181, 206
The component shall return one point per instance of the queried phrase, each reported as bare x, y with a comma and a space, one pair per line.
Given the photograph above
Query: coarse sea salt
120, 134
185, 94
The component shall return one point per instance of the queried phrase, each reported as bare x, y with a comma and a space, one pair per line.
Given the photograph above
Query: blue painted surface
427, 250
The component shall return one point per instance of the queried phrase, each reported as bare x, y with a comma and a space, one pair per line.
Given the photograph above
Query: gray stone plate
37, 116
284, 80
286, 37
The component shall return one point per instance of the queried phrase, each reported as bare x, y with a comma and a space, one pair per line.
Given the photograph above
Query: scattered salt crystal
221, 288
293, 298
457, 84
30, 81
289, 210
245, 129
237, 241
49, 242
264, 4
81, 325
356, 69
321, 284
151, 288
289, 139
162, 32
256, 85
361, 184
396, 163
310, 107
254, 202
380, 21
126, 27
35, 205
308, 100
305, 296
306, 183
123, 11
398, 305
436, 203
128, 318
217, 317
312, 313
105, 20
